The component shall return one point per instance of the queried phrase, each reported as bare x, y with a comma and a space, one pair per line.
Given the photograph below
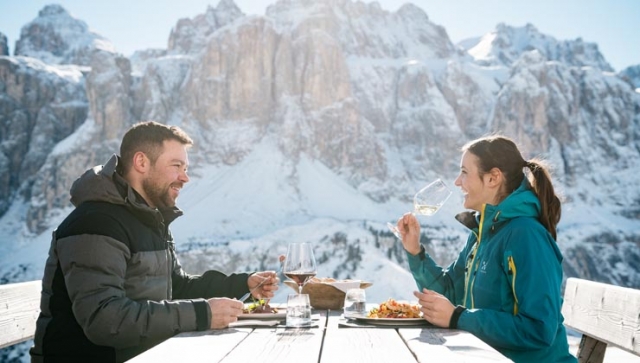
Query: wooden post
591, 350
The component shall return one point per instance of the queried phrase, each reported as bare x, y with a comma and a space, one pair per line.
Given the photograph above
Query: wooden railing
19, 309
604, 314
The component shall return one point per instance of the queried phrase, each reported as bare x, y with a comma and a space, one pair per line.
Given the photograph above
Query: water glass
355, 303
298, 310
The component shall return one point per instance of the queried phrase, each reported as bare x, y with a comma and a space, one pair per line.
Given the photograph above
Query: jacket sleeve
94, 269
210, 284
446, 281
537, 290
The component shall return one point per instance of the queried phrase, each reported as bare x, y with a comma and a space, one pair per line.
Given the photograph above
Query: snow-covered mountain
507, 44
317, 122
56, 37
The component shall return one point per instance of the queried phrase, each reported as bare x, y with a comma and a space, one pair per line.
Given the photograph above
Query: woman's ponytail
549, 202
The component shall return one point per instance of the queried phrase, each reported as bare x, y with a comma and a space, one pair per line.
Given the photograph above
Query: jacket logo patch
483, 267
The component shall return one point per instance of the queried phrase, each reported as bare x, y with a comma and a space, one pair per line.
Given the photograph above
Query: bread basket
323, 294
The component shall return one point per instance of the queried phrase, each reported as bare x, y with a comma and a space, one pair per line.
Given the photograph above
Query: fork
246, 296
264, 302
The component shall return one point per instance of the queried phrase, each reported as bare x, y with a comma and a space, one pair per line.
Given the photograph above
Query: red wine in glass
300, 278
300, 264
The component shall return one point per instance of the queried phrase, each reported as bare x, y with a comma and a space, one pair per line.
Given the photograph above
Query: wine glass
300, 264
427, 201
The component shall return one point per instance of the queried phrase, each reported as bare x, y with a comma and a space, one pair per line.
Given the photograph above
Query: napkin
250, 323
346, 285
312, 325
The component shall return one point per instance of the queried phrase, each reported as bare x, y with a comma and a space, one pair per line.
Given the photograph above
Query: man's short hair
149, 137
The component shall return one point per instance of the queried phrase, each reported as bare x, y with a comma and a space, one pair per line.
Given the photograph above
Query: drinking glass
300, 264
427, 201
298, 310
355, 303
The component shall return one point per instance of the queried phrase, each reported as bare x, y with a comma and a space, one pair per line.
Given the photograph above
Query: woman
506, 281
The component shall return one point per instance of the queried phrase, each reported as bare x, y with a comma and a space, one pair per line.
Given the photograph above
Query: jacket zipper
169, 261
513, 273
169, 273
469, 289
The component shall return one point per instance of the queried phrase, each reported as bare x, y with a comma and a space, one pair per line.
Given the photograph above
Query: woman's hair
149, 137
501, 152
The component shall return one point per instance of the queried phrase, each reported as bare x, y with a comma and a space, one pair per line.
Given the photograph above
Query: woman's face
474, 187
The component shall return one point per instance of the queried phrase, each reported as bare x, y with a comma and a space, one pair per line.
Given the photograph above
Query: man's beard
158, 195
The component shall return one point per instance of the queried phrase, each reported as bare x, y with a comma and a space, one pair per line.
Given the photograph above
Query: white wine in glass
300, 264
427, 201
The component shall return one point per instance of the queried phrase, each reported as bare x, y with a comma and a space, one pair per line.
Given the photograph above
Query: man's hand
224, 311
263, 284
410, 231
435, 308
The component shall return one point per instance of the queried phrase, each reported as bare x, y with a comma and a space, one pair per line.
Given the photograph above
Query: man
112, 285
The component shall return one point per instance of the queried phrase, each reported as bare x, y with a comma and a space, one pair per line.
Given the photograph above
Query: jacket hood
522, 202
103, 183
98, 184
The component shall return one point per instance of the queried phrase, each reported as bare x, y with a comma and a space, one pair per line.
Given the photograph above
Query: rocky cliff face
326, 109
190, 35
107, 86
632, 75
40, 105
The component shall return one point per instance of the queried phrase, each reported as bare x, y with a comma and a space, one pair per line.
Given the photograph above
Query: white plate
393, 321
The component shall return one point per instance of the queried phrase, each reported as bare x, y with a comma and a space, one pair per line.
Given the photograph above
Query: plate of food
393, 321
392, 312
261, 310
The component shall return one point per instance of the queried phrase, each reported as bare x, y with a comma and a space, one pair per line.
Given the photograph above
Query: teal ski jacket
508, 276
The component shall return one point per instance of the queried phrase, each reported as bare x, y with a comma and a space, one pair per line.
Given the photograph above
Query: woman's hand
410, 231
263, 284
435, 308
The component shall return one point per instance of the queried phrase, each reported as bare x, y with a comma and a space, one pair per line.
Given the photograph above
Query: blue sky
138, 24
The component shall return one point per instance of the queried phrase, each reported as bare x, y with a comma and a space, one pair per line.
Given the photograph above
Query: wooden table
326, 343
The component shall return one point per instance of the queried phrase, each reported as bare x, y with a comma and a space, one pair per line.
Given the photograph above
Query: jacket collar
522, 202
104, 183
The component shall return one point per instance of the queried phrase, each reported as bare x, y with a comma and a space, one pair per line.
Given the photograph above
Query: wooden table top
329, 342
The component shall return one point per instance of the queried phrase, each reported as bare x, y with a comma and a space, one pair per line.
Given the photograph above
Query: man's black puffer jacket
112, 285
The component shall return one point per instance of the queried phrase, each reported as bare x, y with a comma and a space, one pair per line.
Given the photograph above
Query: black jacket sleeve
210, 284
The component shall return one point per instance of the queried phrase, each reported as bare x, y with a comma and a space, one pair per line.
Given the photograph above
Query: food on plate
394, 309
259, 307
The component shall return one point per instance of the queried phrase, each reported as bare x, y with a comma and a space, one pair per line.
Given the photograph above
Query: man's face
167, 176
